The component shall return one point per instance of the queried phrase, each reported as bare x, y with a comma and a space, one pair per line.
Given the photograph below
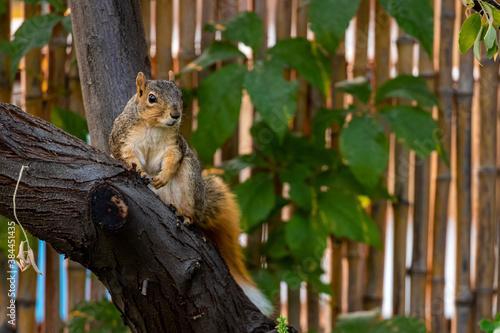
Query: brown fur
147, 134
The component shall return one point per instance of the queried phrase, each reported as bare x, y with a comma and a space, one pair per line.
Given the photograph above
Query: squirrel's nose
176, 116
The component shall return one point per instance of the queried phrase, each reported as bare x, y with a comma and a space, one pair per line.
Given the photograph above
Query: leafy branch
480, 27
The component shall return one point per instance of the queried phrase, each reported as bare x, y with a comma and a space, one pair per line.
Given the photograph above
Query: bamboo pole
57, 92
56, 96
75, 102
339, 70
208, 16
443, 179
360, 68
498, 212
187, 27
317, 100
401, 208
146, 20
283, 30
463, 294
335, 279
26, 296
5, 96
485, 270
164, 28
52, 322
254, 244
375, 263
421, 206
260, 7
77, 276
32, 76
32, 79
5, 82
283, 19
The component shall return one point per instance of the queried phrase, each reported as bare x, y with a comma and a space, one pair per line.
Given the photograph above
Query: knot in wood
109, 207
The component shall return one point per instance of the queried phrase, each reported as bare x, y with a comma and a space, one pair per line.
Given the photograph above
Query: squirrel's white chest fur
150, 150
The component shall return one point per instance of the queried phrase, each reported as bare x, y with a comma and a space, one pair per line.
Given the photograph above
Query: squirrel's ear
141, 83
171, 76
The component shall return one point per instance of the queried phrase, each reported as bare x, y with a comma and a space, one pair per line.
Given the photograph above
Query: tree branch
87, 206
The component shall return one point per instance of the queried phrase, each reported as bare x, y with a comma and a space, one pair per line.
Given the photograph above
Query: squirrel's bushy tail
223, 228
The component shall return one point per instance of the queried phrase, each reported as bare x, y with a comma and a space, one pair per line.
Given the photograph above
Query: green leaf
70, 122
275, 247
256, 198
218, 50
407, 86
359, 87
102, 314
495, 13
33, 33
477, 53
490, 38
268, 283
66, 23
414, 127
355, 322
246, 27
342, 215
341, 180
329, 23
305, 57
399, 324
305, 239
219, 97
416, 17
272, 95
301, 194
323, 119
488, 326
365, 149
470, 29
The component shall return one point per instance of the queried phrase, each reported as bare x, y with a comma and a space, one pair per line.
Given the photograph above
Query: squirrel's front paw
159, 181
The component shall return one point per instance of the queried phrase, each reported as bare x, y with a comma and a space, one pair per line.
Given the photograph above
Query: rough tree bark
162, 275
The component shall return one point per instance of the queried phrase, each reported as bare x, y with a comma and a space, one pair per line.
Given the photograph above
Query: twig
477, 5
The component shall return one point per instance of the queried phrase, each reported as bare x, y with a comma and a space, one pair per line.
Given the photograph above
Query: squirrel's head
159, 101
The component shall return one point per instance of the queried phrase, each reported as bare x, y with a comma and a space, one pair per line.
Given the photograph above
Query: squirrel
147, 135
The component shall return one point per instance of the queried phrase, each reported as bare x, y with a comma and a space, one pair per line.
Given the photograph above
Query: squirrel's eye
152, 99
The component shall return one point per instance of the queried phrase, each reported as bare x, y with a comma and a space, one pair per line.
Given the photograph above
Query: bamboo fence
468, 117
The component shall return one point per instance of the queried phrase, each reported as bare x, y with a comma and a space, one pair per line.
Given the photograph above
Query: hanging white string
26, 258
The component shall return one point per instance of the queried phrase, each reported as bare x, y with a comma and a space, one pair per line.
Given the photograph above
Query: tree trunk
162, 275
111, 50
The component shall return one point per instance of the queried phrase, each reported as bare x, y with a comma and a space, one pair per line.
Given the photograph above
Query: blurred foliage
102, 316
370, 322
34, 32
328, 188
70, 122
